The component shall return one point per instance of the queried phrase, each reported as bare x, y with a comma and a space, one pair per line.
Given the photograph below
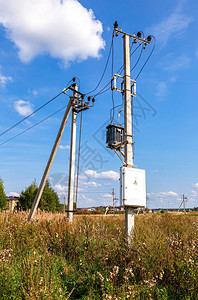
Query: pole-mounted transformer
114, 135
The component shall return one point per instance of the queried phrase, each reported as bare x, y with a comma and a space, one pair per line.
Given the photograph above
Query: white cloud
172, 194
194, 193
196, 185
171, 27
163, 194
154, 171
14, 194
163, 200
172, 79
90, 184
63, 28
4, 80
61, 188
107, 196
24, 108
35, 92
112, 175
176, 63
90, 200
161, 89
62, 147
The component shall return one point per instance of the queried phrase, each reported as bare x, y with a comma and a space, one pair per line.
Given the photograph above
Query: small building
91, 209
121, 208
12, 202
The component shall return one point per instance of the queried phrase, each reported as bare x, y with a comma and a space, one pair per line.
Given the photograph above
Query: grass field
90, 259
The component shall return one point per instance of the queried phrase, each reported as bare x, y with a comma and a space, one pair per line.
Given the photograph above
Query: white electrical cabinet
132, 187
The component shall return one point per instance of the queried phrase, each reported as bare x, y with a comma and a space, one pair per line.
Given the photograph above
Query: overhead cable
110, 50
32, 126
105, 89
13, 126
147, 58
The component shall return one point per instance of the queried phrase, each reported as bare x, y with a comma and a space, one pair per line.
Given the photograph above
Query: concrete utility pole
64, 206
50, 161
127, 104
183, 202
131, 179
113, 195
71, 186
78, 105
129, 212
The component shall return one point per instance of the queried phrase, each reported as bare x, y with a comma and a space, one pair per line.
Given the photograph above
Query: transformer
114, 135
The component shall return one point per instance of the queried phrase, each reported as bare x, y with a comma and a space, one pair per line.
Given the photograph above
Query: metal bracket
118, 146
114, 85
119, 156
79, 105
132, 36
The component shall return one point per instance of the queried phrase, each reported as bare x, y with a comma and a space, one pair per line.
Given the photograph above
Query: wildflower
101, 277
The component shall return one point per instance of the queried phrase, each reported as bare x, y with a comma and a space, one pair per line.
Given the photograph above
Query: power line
138, 58
112, 117
147, 59
120, 70
30, 114
122, 67
105, 89
110, 50
32, 126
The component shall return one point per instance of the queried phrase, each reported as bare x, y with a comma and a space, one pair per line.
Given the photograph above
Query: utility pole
50, 161
128, 134
183, 202
132, 180
78, 105
113, 195
64, 206
114, 201
71, 186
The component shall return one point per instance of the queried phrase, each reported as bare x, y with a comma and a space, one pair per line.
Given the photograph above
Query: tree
3, 200
49, 200
27, 197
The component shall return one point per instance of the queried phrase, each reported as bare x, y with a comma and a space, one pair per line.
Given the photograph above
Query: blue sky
45, 44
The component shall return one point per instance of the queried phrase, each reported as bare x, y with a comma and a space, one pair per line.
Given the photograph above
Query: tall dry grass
90, 259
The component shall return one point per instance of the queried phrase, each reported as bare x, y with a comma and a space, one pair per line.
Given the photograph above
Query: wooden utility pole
71, 186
